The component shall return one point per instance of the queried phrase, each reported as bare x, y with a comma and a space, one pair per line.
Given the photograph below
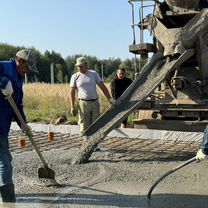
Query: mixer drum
183, 4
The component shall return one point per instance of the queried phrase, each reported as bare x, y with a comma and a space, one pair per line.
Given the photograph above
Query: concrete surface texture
108, 183
120, 175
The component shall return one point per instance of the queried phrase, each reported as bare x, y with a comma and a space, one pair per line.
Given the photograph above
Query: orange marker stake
21, 143
50, 134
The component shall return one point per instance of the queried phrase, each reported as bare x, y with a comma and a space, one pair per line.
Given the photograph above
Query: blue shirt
8, 72
204, 145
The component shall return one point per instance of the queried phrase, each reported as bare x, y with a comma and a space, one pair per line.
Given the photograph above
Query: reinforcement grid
113, 149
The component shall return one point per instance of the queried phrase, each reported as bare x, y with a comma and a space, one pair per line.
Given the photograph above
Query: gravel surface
107, 183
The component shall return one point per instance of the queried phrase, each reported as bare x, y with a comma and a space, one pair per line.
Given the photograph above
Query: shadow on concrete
110, 199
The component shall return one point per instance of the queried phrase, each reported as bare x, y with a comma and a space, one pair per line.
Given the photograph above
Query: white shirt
86, 84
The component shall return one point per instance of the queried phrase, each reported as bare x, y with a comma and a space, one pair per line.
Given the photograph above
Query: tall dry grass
42, 102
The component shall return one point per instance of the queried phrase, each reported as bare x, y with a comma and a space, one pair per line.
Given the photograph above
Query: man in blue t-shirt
11, 74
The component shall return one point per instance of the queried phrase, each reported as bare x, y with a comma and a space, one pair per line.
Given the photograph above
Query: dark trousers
6, 184
8, 193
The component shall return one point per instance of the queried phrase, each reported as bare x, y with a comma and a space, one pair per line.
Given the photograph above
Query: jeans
8, 193
6, 171
5, 162
204, 145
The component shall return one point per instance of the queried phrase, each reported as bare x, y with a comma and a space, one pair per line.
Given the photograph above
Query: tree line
65, 67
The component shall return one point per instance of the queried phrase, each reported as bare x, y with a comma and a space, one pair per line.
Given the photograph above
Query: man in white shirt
84, 82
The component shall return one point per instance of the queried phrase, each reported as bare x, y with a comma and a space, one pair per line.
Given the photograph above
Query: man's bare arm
72, 100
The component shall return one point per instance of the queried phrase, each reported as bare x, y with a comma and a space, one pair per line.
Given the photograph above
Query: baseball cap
29, 57
81, 61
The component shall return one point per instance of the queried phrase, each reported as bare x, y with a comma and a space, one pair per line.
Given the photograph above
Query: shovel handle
25, 128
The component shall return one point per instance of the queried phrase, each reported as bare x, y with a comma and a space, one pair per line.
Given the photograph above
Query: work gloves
201, 156
8, 90
112, 101
27, 131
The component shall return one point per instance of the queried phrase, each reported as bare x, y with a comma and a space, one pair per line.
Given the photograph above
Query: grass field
43, 102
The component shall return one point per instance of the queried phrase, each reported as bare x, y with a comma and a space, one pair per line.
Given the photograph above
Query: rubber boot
7, 193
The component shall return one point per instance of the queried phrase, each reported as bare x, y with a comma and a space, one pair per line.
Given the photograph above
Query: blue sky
90, 27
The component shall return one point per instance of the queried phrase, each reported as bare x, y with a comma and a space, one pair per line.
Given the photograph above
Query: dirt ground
107, 183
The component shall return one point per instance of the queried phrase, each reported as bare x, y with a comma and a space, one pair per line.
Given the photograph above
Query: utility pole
102, 71
26, 80
52, 72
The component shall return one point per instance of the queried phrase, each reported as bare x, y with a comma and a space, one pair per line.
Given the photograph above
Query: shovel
168, 173
43, 172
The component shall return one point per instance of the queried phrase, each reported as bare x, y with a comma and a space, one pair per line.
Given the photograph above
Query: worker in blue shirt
202, 154
11, 81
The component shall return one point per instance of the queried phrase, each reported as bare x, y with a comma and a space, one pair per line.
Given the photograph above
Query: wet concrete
119, 175
108, 183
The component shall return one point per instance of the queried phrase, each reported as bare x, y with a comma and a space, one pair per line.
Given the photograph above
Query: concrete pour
107, 183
